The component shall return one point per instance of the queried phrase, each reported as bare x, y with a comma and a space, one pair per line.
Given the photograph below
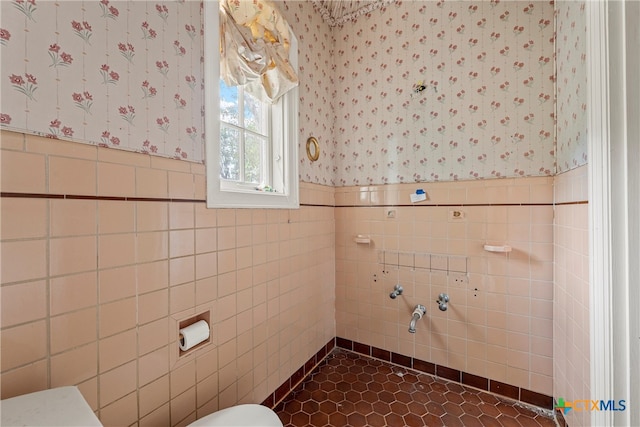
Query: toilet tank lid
61, 406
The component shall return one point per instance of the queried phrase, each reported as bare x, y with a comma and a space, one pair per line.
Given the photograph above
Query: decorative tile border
493, 386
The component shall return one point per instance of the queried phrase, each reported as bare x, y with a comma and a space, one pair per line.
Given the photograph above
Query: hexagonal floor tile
349, 389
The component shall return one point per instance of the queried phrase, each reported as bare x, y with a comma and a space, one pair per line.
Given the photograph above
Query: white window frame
284, 130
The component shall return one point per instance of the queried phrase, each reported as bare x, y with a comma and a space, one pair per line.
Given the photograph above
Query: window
244, 137
251, 146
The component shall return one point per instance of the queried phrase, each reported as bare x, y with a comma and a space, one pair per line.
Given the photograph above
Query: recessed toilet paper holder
191, 322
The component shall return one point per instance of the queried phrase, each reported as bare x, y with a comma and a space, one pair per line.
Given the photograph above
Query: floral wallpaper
119, 74
571, 64
446, 90
315, 48
413, 91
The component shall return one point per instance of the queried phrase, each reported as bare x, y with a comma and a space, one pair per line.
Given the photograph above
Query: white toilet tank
249, 415
62, 406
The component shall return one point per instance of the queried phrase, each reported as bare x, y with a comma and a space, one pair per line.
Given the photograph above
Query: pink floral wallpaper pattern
315, 69
445, 90
413, 91
119, 74
571, 87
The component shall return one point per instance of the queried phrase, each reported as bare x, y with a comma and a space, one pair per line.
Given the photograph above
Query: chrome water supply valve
397, 290
442, 301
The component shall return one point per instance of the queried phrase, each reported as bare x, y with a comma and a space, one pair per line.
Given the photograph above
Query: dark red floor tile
292, 406
376, 420
489, 410
346, 407
300, 419
319, 395
403, 397
454, 397
472, 398
471, 409
394, 420
437, 397
417, 408
319, 419
335, 396
470, 421
432, 421
381, 408
350, 389
352, 396
399, 408
451, 421
337, 419
310, 407
375, 387
328, 407
508, 421
507, 409
453, 409
359, 387
412, 420
488, 398
364, 408
488, 421
435, 409
357, 420
387, 397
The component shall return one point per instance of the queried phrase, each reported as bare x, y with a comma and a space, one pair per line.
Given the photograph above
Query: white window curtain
254, 48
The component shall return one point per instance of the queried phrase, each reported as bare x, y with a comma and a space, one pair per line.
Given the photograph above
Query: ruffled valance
254, 41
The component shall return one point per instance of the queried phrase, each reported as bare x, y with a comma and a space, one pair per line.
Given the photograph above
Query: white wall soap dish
497, 248
362, 239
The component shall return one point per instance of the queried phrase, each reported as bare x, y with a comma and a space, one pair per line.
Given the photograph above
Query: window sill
219, 198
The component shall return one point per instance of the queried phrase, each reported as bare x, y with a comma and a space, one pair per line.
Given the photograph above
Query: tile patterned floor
349, 389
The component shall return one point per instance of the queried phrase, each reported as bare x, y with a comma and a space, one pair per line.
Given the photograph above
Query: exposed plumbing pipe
418, 312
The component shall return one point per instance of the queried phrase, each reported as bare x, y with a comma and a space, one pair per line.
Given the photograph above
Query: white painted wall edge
614, 207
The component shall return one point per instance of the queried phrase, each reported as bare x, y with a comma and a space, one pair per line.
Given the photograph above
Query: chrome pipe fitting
397, 290
418, 312
442, 301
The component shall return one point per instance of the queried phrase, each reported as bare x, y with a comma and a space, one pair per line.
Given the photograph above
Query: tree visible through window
245, 137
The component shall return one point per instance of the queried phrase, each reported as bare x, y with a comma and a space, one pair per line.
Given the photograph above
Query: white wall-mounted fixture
498, 248
361, 239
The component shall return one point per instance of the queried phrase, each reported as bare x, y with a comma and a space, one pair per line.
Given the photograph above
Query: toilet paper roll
193, 335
